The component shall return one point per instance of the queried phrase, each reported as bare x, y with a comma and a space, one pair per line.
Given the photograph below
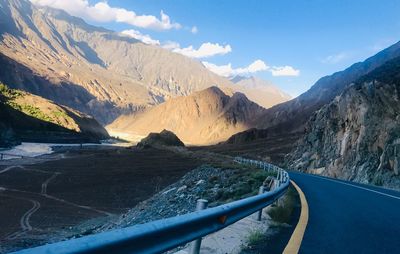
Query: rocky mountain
97, 71
262, 92
92, 69
357, 136
27, 117
289, 118
205, 117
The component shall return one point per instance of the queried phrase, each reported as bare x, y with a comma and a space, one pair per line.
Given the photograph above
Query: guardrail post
195, 246
260, 191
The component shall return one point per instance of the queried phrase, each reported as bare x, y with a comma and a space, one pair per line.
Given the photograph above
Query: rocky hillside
357, 136
260, 91
89, 68
27, 117
205, 117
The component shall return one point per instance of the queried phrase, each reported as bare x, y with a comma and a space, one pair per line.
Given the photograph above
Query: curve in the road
346, 217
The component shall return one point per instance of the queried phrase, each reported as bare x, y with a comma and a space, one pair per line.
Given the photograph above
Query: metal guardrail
166, 234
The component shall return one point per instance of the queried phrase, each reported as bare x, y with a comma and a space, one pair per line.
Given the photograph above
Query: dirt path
59, 200
44, 184
24, 221
9, 168
76, 205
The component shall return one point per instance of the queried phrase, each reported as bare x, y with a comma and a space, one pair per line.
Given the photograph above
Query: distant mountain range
260, 91
205, 117
97, 71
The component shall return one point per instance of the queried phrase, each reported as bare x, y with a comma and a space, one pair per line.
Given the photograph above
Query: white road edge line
355, 186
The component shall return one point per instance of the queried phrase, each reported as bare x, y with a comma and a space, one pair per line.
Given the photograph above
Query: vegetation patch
10, 94
243, 182
255, 238
283, 210
10, 97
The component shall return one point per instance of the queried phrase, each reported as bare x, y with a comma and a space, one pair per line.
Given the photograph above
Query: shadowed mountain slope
27, 117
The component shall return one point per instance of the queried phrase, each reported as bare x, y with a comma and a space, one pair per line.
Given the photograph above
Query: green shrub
10, 94
255, 237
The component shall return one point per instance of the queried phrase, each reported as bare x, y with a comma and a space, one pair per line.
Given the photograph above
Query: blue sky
313, 37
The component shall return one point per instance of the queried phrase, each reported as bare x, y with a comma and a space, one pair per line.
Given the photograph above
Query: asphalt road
346, 217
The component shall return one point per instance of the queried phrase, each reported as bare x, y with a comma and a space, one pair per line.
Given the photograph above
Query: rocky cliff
357, 136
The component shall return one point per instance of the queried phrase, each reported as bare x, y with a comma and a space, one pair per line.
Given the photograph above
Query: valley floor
44, 199
79, 191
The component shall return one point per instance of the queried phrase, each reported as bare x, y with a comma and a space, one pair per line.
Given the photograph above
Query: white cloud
334, 59
145, 38
284, 71
228, 71
102, 12
205, 50
194, 30
222, 70
256, 66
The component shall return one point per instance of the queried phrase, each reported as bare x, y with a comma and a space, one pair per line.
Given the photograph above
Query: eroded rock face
357, 136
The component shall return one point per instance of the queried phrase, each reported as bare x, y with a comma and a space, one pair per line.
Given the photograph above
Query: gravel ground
176, 199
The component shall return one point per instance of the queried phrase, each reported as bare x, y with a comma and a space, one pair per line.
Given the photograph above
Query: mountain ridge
204, 117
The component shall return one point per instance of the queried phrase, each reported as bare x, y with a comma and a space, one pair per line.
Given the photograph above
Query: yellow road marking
294, 243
